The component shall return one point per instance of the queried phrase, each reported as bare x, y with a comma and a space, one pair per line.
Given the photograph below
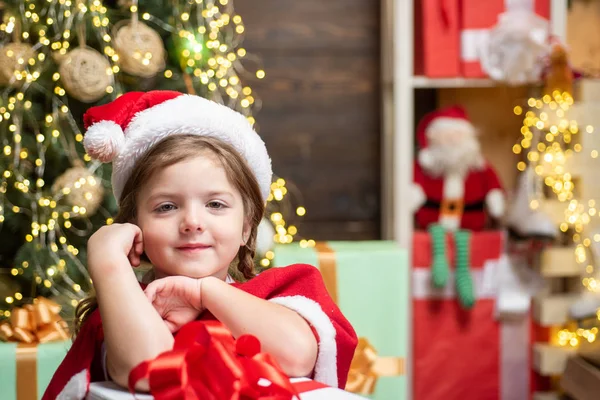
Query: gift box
368, 281
466, 354
308, 390
32, 346
477, 18
26, 369
207, 362
437, 38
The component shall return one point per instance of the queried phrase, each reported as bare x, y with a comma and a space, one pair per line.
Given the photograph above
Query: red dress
298, 287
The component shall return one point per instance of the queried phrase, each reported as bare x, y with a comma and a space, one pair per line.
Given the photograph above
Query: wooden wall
321, 107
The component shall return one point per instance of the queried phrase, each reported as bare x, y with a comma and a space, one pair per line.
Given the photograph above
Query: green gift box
26, 369
369, 281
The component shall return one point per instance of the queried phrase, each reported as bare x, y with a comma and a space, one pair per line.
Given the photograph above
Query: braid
245, 264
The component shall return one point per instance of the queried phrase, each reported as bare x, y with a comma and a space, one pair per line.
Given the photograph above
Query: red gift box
437, 38
466, 354
477, 18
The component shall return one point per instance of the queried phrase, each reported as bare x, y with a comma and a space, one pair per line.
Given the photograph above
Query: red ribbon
207, 363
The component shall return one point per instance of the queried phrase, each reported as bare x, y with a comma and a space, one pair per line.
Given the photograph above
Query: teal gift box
26, 369
369, 282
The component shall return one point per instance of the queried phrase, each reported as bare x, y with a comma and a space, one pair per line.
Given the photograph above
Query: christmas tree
60, 57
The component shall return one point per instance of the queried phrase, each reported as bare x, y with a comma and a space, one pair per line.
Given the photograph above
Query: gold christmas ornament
86, 74
14, 57
140, 49
80, 188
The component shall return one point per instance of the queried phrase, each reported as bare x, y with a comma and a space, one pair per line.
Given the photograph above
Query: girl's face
192, 219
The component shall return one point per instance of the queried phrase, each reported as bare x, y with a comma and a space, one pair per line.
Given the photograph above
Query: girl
191, 178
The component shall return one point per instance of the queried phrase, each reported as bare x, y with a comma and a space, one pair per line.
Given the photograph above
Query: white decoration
515, 48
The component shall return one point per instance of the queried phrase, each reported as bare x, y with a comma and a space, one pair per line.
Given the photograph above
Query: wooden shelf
423, 82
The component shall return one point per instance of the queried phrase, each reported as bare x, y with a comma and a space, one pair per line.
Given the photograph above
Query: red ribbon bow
207, 363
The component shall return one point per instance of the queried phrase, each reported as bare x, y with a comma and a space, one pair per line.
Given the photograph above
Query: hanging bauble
80, 188
14, 57
86, 74
140, 49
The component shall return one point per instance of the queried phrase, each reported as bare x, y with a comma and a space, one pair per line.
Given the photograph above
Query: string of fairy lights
207, 42
551, 139
277, 207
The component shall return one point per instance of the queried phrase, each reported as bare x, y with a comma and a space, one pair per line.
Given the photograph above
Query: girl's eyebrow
214, 193
217, 193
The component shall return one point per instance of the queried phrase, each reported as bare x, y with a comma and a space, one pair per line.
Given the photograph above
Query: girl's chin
190, 272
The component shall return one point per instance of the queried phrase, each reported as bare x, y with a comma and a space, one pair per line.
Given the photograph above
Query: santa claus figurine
455, 190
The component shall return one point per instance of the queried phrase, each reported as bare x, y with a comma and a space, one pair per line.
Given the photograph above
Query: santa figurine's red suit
454, 189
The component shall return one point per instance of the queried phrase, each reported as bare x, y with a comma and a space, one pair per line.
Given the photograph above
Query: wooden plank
559, 262
290, 26
552, 310
546, 396
551, 360
340, 230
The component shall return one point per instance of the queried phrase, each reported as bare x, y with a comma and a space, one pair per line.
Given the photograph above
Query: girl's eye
216, 205
165, 208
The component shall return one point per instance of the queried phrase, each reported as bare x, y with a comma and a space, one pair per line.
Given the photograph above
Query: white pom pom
104, 140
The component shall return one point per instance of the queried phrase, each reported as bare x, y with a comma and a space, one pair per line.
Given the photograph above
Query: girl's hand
111, 242
177, 299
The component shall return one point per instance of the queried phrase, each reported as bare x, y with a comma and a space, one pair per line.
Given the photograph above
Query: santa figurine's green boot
464, 281
439, 264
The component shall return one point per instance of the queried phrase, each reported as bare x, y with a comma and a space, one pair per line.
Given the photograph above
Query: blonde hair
174, 149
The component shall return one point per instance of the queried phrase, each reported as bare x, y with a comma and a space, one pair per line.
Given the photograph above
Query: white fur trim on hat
189, 114
104, 140
311, 311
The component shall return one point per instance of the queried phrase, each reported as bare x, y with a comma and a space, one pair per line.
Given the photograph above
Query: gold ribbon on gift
328, 268
367, 366
35, 323
32, 324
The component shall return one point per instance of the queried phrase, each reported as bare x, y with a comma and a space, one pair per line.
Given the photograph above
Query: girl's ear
246, 233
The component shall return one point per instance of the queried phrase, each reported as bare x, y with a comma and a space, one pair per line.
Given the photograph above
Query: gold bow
35, 323
367, 367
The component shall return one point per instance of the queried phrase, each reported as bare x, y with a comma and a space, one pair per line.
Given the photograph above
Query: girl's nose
191, 222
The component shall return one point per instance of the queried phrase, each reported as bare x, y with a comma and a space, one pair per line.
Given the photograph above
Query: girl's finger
150, 292
134, 259
172, 327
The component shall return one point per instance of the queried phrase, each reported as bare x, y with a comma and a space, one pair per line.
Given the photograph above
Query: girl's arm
133, 330
282, 332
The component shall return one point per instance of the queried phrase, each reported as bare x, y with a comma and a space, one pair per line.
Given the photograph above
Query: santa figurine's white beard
442, 159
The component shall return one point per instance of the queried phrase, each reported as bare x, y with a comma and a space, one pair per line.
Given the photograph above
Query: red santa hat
436, 122
124, 129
